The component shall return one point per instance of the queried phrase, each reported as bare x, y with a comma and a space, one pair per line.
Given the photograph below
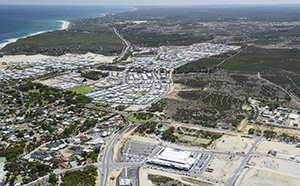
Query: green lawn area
19, 179
2, 160
188, 138
31, 105
35, 91
202, 140
45, 102
82, 89
133, 119
164, 128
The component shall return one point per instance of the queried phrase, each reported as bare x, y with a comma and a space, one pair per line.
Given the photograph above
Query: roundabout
142, 117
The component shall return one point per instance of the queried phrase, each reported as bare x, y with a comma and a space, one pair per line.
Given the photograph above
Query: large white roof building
172, 157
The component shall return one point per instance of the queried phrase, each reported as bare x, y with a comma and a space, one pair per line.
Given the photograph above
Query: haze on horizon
152, 2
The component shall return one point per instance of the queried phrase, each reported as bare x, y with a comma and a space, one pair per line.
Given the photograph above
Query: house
77, 152
65, 158
57, 156
65, 165
74, 148
51, 152
34, 156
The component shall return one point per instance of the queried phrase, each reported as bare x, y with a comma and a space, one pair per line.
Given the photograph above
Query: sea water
17, 21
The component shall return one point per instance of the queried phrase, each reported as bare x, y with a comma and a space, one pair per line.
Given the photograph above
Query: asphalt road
124, 41
233, 179
107, 155
256, 114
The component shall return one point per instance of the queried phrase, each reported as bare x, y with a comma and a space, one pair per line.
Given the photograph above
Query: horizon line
159, 5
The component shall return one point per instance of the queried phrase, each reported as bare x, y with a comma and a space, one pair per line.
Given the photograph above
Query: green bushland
218, 101
239, 78
50, 95
94, 75
168, 135
259, 59
149, 128
157, 106
85, 177
159, 179
192, 83
56, 43
110, 68
82, 89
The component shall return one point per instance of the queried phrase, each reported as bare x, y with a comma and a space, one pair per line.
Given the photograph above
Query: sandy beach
65, 25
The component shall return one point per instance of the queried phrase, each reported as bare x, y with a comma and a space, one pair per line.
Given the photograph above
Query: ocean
17, 21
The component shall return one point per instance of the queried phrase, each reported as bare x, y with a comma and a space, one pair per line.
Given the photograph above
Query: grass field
165, 127
19, 179
133, 119
188, 138
35, 91
82, 89
2, 160
202, 140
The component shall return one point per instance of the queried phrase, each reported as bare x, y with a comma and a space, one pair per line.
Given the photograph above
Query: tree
55, 163
52, 178
251, 131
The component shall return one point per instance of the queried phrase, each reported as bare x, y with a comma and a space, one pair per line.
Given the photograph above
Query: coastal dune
88, 56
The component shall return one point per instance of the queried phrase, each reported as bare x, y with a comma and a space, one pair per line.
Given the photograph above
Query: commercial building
173, 157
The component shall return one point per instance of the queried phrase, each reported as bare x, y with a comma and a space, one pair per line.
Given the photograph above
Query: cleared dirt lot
223, 166
284, 150
270, 171
232, 144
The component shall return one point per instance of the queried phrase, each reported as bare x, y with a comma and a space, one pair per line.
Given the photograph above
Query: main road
233, 179
107, 155
124, 41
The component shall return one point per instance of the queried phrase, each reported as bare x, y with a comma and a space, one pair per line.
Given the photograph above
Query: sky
149, 2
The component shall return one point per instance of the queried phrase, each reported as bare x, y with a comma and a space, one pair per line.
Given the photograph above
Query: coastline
64, 26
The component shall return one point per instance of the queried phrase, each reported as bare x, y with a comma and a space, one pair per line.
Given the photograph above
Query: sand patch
223, 166
39, 57
232, 144
129, 132
98, 178
269, 171
144, 139
283, 150
173, 91
246, 107
115, 174
120, 143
